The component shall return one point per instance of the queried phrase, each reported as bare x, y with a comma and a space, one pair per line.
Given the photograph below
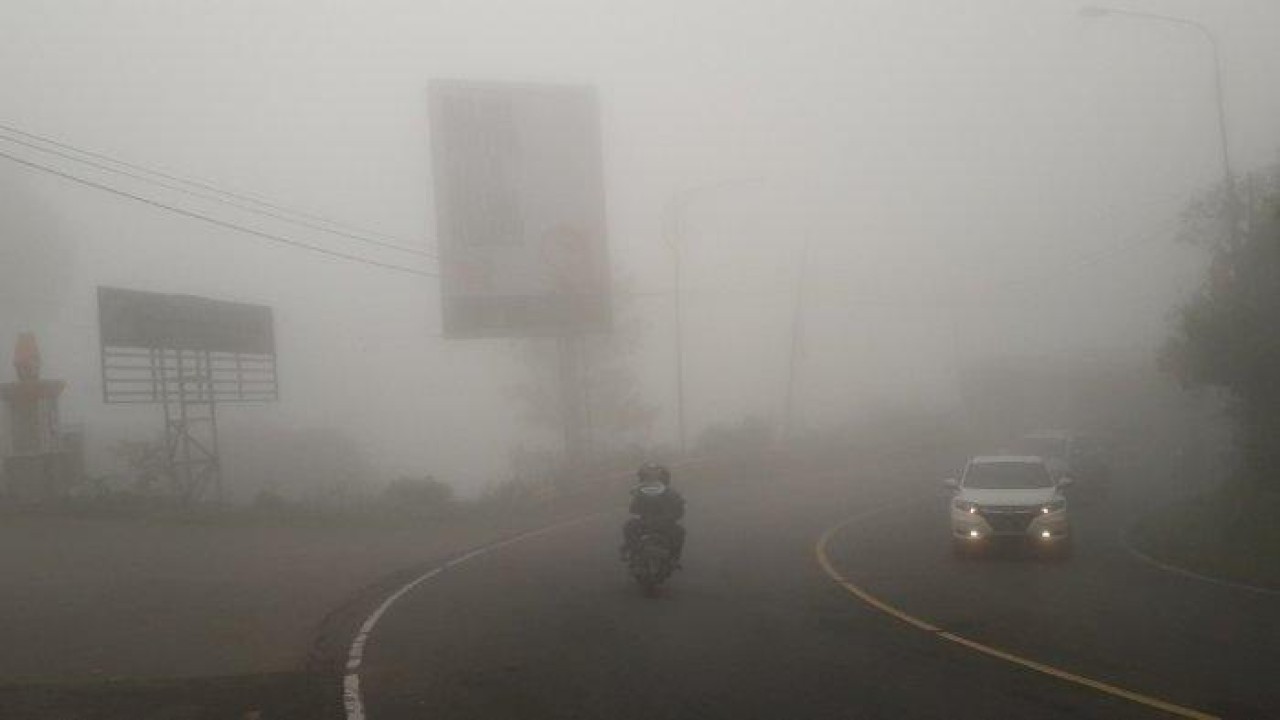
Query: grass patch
1227, 535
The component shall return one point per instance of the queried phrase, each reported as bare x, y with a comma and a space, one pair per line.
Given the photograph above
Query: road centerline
824, 561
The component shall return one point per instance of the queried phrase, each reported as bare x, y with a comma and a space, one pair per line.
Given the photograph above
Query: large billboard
157, 347
519, 198
132, 318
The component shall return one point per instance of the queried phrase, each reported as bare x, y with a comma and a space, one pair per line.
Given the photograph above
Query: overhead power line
208, 191
216, 221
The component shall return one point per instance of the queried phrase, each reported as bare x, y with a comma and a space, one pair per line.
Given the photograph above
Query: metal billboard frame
188, 355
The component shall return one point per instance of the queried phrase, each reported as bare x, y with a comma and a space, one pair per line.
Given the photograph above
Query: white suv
1012, 497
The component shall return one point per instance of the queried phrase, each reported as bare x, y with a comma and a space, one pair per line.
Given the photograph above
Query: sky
972, 179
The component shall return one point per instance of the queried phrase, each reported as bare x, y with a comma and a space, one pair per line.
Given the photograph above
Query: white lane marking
352, 699
1127, 542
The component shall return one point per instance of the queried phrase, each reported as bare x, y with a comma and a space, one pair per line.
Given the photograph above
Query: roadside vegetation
320, 479
1227, 337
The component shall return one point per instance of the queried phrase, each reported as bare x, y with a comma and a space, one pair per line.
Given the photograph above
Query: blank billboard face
519, 195
132, 318
156, 347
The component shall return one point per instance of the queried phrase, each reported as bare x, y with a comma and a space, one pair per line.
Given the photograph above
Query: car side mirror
951, 483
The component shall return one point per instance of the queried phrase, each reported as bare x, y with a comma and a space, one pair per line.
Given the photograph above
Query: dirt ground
99, 599
147, 619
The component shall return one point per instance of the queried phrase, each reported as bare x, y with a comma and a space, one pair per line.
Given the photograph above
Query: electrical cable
212, 192
216, 221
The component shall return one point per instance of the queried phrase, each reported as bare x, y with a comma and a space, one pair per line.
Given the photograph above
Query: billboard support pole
214, 449
194, 465
571, 406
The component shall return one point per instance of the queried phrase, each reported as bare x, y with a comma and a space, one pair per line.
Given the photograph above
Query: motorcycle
651, 561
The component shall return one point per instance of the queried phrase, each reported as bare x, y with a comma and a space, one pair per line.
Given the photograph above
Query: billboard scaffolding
520, 214
188, 355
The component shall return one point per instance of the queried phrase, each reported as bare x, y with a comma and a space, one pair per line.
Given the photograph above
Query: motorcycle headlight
965, 506
1054, 506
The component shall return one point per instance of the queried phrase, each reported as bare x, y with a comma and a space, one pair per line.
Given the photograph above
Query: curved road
550, 627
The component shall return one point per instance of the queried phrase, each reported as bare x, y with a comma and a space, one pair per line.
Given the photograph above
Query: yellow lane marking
821, 551
824, 560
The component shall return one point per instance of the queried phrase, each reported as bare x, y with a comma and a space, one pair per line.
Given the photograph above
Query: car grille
1008, 519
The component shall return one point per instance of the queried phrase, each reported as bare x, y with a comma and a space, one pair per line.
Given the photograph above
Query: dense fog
881, 200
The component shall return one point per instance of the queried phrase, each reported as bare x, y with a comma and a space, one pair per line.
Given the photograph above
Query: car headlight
965, 506
1054, 506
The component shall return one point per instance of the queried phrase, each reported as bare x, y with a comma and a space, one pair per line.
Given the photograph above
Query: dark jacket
665, 508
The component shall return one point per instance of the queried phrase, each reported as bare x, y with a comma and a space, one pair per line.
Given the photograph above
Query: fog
974, 182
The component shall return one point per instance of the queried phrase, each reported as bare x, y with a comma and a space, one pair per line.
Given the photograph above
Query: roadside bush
513, 494
146, 461
424, 495
269, 501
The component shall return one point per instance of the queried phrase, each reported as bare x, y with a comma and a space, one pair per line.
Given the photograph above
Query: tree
615, 411
1228, 335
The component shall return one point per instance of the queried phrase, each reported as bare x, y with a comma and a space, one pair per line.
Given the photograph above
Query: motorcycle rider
657, 507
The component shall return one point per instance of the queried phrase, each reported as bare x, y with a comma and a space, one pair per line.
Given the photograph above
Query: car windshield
1007, 476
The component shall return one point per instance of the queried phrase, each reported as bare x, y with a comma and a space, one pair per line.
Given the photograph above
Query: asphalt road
551, 627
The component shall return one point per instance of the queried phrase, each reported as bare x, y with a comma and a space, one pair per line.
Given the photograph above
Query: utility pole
673, 230
674, 236
797, 339
572, 398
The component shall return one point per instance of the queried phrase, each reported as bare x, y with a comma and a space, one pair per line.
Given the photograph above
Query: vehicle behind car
1057, 448
1082, 458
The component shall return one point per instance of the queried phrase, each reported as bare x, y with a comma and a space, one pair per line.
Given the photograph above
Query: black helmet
650, 472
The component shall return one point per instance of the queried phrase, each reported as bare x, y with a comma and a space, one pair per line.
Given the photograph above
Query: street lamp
1228, 176
673, 227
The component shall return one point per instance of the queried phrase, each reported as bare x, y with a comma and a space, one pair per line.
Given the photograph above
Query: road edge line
352, 697
828, 567
1126, 540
